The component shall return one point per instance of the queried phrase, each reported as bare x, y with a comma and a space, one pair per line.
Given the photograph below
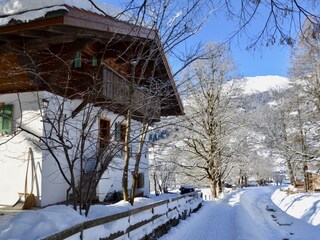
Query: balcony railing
116, 89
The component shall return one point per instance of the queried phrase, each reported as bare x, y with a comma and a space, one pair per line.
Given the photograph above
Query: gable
111, 41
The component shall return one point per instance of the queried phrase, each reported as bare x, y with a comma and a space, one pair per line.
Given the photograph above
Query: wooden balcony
117, 90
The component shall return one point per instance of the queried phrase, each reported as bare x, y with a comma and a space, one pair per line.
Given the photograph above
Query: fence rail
176, 207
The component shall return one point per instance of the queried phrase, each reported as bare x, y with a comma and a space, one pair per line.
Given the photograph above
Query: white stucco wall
112, 178
51, 186
14, 149
54, 186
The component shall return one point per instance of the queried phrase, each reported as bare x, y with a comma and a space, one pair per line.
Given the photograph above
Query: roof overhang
66, 24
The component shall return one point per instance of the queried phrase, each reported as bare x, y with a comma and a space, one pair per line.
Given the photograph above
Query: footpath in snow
253, 214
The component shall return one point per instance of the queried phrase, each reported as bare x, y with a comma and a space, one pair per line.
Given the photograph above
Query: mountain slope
263, 83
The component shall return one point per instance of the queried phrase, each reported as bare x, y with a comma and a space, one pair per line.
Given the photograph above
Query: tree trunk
245, 180
213, 188
306, 183
155, 183
220, 185
143, 134
135, 179
127, 157
160, 188
291, 174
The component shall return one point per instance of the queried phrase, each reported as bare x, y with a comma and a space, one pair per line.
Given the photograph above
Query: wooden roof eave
85, 19
80, 19
170, 75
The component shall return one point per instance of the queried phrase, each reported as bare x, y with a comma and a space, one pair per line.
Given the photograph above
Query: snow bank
50, 220
300, 205
97, 211
172, 210
37, 224
254, 221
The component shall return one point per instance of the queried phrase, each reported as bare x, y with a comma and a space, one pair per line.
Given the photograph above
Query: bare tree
305, 80
171, 23
269, 22
279, 126
163, 154
210, 118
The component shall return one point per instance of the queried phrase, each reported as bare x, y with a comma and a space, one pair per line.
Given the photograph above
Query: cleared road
247, 214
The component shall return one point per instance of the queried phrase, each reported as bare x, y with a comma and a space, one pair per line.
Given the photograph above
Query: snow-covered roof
29, 10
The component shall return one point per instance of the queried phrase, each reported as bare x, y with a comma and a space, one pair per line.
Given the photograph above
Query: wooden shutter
117, 131
6, 114
94, 61
77, 60
104, 132
123, 128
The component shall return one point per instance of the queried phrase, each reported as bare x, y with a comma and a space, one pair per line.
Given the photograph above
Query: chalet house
66, 71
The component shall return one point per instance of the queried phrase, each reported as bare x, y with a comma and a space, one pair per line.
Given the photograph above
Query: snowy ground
245, 214
253, 214
31, 225
6, 215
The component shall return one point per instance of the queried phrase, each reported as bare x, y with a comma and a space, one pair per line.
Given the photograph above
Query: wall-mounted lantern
44, 105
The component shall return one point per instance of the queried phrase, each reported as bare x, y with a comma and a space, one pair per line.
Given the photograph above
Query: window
120, 132
6, 118
140, 182
94, 61
123, 128
104, 133
77, 60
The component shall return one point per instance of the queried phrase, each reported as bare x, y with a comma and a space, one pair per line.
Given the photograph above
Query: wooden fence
136, 223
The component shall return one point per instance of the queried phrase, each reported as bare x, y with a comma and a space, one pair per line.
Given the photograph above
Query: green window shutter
117, 131
77, 60
94, 61
6, 114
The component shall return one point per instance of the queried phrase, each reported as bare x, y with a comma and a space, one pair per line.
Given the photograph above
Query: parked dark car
186, 189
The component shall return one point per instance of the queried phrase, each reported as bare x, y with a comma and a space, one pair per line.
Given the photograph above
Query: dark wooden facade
116, 57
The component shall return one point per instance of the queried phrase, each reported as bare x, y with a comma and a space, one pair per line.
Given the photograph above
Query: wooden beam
34, 34
9, 37
43, 43
30, 25
80, 32
79, 108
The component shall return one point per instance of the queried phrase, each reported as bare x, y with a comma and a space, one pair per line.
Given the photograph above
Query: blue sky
272, 60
